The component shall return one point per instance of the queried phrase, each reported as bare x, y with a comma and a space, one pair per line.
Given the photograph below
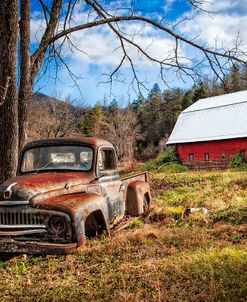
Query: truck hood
32, 186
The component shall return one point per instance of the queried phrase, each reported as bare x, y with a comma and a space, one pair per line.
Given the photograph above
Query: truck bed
140, 176
132, 178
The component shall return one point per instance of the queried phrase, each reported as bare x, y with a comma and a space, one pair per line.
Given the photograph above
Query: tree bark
39, 55
8, 88
25, 90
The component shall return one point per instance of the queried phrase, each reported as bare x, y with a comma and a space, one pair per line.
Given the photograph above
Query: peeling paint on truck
53, 211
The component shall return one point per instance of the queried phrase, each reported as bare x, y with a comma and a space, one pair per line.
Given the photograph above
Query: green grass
165, 256
166, 162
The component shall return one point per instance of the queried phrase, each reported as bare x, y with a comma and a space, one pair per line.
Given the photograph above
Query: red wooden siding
215, 149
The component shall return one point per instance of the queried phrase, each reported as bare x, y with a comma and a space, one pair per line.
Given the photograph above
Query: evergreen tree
234, 81
154, 91
244, 76
113, 105
150, 115
172, 107
200, 91
138, 103
187, 100
95, 122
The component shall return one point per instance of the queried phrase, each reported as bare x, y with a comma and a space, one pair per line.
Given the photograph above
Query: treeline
140, 130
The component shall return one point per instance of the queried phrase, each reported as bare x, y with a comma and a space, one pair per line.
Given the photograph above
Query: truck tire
145, 204
94, 225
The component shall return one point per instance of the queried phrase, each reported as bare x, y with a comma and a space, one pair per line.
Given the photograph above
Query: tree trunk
25, 90
8, 88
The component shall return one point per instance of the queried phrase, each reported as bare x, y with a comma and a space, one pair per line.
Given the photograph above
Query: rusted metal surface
53, 212
38, 248
93, 141
136, 192
78, 207
23, 232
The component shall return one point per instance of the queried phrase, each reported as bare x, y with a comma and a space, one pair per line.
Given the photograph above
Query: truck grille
29, 224
22, 218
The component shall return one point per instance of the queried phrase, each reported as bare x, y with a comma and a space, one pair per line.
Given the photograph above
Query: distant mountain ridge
43, 97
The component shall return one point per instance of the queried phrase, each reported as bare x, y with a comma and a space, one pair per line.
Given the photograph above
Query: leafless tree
51, 118
59, 28
123, 131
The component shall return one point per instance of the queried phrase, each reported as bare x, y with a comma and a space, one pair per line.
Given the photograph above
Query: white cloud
168, 5
222, 28
104, 48
105, 53
37, 28
219, 5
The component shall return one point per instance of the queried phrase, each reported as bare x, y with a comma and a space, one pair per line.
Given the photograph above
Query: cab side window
106, 160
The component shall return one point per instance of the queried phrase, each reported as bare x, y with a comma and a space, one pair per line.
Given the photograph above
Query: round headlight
58, 225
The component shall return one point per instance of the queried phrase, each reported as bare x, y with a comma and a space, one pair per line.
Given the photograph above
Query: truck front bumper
38, 248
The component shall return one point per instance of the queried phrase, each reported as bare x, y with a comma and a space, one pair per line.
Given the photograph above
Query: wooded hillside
140, 130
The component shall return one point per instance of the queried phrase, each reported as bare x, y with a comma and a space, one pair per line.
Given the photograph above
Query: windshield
57, 158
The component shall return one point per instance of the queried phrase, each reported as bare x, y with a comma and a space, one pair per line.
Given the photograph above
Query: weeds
166, 162
233, 215
136, 223
165, 256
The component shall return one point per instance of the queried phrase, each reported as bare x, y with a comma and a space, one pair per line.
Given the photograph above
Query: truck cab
65, 191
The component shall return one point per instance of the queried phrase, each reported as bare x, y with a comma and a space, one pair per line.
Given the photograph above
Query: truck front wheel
94, 224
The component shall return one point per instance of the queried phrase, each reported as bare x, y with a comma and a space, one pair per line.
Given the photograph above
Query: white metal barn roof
214, 118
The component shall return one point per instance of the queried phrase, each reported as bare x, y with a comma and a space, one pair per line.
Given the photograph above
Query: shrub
238, 161
167, 161
169, 156
231, 215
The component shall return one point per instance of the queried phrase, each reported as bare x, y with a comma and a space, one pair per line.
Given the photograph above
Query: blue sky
103, 53
173, 9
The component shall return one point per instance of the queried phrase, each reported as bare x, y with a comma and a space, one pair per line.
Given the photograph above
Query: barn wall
215, 149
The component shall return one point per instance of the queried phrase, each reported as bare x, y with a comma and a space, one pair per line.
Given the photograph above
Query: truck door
110, 182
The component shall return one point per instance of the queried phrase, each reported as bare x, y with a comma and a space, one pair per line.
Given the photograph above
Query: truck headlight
57, 225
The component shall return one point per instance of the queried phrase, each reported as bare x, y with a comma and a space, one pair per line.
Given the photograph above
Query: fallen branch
121, 225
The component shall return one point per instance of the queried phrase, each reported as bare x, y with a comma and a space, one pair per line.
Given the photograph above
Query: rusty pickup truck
66, 190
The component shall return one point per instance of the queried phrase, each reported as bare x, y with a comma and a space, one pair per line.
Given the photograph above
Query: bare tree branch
45, 11
224, 54
214, 58
38, 56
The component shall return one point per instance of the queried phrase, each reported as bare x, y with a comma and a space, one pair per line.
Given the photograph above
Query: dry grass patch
164, 256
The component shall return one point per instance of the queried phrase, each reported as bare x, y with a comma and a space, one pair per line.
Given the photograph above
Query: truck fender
96, 209
138, 193
79, 207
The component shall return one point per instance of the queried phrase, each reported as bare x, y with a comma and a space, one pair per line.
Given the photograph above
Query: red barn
209, 132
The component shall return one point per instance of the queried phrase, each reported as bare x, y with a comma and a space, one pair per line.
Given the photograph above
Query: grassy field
169, 255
